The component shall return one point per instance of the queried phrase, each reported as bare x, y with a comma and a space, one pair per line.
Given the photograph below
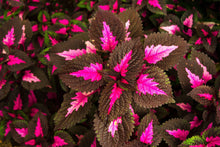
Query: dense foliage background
109, 73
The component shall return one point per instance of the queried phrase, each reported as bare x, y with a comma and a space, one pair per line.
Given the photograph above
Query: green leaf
194, 140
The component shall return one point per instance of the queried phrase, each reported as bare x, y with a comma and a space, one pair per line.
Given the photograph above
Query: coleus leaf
195, 122
132, 22
19, 130
149, 131
62, 138
34, 78
203, 94
18, 103
16, 3
83, 73
89, 139
126, 61
217, 118
210, 43
164, 50
38, 126
175, 131
18, 60
72, 111
123, 126
106, 31
189, 18
193, 141
157, 6
212, 136
114, 101
153, 88
4, 88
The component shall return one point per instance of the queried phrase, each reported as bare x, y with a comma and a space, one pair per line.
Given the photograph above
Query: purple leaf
30, 142
153, 54
109, 41
188, 21
116, 93
172, 29
30, 77
194, 79
58, 142
180, 134
90, 72
38, 130
186, 106
114, 126
14, 60
122, 67
72, 54
147, 85
147, 135
155, 3
213, 141
2, 83
9, 38
22, 131
18, 103
195, 123
80, 100
206, 96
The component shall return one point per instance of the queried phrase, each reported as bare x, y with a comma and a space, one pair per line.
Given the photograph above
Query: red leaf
109, 41
147, 135
89, 72
80, 100
147, 85
153, 54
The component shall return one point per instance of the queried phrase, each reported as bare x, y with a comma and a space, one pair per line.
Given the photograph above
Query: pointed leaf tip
194, 79
72, 54
58, 142
155, 3
14, 60
38, 130
147, 135
9, 38
180, 134
114, 126
22, 131
30, 77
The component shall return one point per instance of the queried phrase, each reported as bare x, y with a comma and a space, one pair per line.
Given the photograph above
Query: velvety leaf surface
4, 88
72, 111
89, 139
157, 6
122, 134
18, 60
194, 140
62, 138
174, 139
34, 78
114, 101
19, 129
134, 27
169, 48
83, 73
106, 30
153, 88
203, 94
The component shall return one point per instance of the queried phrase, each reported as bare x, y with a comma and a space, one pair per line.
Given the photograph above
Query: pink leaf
204, 32
30, 142
90, 48
80, 100
64, 21
206, 96
53, 40
93, 143
58, 142
76, 28
122, 67
14, 60
90, 72
34, 111
23, 38
44, 28
180, 134
155, 3
139, 2
195, 123
22, 131
147, 135
61, 31
127, 24
35, 28
213, 141
189, 32
38, 130
30, 77
153, 54
54, 20
147, 85
72, 54
53, 69
31, 98
194, 79
136, 117
188, 21
186, 106
2, 83
31, 8
116, 93
199, 41
9, 38
114, 126
44, 19
79, 18
200, 145
40, 40
209, 40
8, 129
172, 29
104, 7
109, 41
17, 103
